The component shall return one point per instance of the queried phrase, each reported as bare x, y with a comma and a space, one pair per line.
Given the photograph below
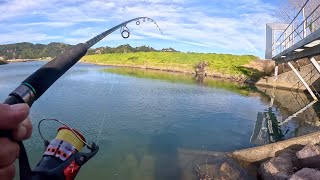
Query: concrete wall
289, 80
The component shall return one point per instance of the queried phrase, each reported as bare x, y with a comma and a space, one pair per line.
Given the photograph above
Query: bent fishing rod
62, 158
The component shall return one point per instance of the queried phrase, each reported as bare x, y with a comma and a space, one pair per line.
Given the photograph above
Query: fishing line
105, 112
125, 33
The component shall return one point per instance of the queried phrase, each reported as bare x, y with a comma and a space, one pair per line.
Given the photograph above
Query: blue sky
227, 26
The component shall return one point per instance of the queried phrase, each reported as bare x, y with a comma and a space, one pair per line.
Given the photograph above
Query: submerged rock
208, 165
309, 156
306, 174
229, 173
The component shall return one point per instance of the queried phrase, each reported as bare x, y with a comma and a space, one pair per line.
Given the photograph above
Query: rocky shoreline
284, 159
294, 163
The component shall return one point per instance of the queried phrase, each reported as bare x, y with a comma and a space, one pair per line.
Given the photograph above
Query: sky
208, 26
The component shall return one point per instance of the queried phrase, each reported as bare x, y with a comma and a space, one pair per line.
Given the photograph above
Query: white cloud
14, 8
48, 24
230, 26
25, 37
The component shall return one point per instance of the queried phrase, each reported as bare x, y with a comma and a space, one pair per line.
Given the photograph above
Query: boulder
309, 156
278, 168
306, 174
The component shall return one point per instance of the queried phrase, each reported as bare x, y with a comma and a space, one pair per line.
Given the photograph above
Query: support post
303, 81
275, 76
276, 68
315, 64
304, 23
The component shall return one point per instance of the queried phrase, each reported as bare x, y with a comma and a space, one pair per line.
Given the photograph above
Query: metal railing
303, 24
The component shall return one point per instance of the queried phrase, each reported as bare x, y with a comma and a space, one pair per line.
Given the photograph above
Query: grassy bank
222, 65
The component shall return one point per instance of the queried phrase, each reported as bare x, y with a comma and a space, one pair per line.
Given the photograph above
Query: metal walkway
300, 39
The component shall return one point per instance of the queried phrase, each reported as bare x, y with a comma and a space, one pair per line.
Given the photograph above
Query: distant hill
28, 50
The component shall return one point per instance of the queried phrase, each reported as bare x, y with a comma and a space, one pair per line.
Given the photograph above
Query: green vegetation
32, 51
180, 78
221, 64
126, 48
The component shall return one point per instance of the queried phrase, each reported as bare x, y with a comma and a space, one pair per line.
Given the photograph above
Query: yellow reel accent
67, 135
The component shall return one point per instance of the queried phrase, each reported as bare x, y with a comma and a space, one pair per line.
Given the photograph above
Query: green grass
224, 64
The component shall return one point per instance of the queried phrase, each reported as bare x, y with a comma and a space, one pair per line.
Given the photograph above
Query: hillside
27, 50
229, 66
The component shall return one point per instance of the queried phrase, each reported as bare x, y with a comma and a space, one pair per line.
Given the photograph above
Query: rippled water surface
149, 120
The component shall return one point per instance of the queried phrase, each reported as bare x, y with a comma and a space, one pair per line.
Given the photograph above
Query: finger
9, 151
11, 116
23, 131
7, 173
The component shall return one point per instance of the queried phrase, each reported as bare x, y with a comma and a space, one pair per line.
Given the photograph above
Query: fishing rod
62, 158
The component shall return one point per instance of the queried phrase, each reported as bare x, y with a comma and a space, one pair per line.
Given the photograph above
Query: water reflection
182, 78
298, 116
266, 128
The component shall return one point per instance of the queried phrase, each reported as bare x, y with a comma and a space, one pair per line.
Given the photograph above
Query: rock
278, 168
306, 174
229, 173
200, 68
309, 156
308, 151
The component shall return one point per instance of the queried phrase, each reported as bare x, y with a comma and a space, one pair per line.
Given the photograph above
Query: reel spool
63, 158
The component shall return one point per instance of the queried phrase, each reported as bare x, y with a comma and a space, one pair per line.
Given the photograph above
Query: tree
288, 9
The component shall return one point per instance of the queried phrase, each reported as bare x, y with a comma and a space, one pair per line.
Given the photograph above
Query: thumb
12, 115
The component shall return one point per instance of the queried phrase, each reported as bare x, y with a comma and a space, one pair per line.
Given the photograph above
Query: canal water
149, 120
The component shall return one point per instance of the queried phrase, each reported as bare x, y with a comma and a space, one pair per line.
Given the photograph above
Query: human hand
14, 118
